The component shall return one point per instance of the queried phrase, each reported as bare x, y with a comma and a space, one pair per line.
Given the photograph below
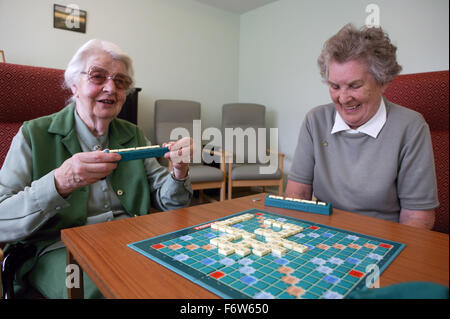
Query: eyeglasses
98, 76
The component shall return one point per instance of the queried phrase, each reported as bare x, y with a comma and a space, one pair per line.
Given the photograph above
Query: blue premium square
248, 280
331, 279
207, 261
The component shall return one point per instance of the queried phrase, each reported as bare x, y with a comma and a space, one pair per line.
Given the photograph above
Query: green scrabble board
288, 258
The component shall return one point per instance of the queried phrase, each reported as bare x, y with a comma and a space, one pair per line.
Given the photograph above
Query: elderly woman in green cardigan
56, 174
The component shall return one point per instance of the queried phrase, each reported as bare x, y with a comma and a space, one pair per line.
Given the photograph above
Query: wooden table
119, 272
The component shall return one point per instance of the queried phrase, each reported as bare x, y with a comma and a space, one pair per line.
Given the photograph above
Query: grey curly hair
369, 44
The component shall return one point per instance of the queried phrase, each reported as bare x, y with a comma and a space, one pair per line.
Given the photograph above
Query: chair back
172, 114
427, 93
246, 116
27, 92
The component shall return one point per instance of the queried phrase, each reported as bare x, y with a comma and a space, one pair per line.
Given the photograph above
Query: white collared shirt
371, 127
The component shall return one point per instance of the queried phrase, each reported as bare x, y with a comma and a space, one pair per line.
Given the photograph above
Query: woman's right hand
83, 169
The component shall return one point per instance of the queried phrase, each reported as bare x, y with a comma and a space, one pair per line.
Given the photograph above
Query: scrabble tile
300, 248
276, 243
277, 224
259, 231
227, 250
275, 196
239, 231
257, 244
285, 233
278, 251
261, 251
269, 222
223, 243
272, 238
248, 235
229, 229
242, 251
244, 243
288, 226
287, 243
237, 236
227, 237
215, 226
223, 228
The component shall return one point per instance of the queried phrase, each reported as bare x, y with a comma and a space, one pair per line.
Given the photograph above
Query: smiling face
354, 91
99, 102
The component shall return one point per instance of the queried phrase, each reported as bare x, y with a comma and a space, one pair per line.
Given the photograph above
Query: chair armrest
226, 157
212, 152
269, 151
281, 155
217, 151
221, 152
275, 152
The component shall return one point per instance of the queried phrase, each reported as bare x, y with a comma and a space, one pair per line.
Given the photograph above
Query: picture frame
69, 18
2, 56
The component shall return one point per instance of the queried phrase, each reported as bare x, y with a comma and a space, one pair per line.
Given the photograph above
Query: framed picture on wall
2, 56
69, 18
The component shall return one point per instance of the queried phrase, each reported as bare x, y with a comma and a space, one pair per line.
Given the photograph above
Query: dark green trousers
406, 290
49, 277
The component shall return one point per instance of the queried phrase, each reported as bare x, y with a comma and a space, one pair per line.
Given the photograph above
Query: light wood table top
120, 272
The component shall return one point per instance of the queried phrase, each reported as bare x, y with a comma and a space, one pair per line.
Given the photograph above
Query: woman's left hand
180, 155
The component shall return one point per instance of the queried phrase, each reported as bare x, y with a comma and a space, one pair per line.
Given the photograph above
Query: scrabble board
263, 255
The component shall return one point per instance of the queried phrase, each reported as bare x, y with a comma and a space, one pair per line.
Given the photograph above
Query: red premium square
158, 246
356, 273
217, 274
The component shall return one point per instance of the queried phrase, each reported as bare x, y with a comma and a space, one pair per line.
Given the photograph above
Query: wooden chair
242, 170
172, 114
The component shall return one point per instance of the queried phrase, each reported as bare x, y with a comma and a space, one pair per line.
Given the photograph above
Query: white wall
181, 49
280, 44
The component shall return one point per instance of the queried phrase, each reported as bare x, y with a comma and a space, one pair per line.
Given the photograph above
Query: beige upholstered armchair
247, 169
172, 114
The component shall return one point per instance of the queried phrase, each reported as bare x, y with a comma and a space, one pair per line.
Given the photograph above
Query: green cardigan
53, 140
